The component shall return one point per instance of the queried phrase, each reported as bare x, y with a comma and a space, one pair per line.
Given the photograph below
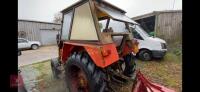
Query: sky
44, 10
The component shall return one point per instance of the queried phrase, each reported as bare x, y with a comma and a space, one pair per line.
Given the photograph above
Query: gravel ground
34, 56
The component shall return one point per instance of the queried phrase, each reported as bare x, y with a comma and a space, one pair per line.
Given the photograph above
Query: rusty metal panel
83, 27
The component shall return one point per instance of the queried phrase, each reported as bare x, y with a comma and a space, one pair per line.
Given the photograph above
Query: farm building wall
169, 26
34, 31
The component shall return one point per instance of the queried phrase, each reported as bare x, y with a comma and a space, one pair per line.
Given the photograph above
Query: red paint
66, 51
102, 54
126, 50
143, 84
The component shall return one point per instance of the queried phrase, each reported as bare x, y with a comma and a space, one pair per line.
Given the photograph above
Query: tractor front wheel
82, 75
130, 65
54, 68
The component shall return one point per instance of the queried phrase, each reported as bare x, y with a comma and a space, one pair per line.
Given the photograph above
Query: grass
167, 71
46, 83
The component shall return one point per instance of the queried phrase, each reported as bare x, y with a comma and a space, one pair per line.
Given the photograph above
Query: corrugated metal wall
169, 26
32, 29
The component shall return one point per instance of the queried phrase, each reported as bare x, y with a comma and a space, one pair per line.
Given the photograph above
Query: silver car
26, 44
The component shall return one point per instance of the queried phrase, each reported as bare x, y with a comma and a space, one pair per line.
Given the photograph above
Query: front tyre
55, 71
82, 75
34, 46
145, 55
130, 65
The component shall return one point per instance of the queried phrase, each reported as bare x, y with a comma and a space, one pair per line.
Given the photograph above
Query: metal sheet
114, 14
48, 37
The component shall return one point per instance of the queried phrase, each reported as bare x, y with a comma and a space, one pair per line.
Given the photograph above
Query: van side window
136, 34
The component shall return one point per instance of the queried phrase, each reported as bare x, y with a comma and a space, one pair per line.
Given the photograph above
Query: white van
149, 47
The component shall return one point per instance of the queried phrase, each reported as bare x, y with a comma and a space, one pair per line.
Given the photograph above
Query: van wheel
34, 46
82, 75
145, 55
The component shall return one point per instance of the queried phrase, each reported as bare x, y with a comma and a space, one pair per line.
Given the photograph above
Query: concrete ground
38, 78
34, 56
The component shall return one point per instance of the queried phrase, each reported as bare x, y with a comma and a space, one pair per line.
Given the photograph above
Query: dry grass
167, 72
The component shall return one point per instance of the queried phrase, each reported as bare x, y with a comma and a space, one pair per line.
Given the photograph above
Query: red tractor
96, 55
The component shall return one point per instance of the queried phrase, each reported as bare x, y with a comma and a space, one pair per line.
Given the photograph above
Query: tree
57, 18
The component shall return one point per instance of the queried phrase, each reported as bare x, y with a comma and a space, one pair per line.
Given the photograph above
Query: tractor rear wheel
82, 75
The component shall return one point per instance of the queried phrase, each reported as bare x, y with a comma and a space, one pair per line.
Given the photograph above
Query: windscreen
117, 26
141, 30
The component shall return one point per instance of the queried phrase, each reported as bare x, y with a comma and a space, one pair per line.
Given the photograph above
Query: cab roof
106, 7
83, 1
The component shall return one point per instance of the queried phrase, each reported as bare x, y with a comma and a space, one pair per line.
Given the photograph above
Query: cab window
66, 25
116, 26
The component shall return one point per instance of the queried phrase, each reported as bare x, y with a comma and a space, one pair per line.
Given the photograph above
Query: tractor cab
89, 22
94, 51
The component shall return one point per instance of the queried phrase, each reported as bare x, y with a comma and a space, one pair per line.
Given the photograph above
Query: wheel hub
79, 81
146, 55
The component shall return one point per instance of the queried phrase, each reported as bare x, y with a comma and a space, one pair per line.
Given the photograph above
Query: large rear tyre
82, 75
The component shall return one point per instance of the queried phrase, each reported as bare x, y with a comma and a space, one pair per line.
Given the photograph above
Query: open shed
165, 24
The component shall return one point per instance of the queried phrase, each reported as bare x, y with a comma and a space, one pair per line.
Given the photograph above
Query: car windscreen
141, 30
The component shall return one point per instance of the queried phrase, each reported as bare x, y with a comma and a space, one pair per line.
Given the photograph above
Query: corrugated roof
38, 21
156, 12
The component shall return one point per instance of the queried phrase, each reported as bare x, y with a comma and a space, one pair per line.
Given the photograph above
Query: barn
44, 32
164, 24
